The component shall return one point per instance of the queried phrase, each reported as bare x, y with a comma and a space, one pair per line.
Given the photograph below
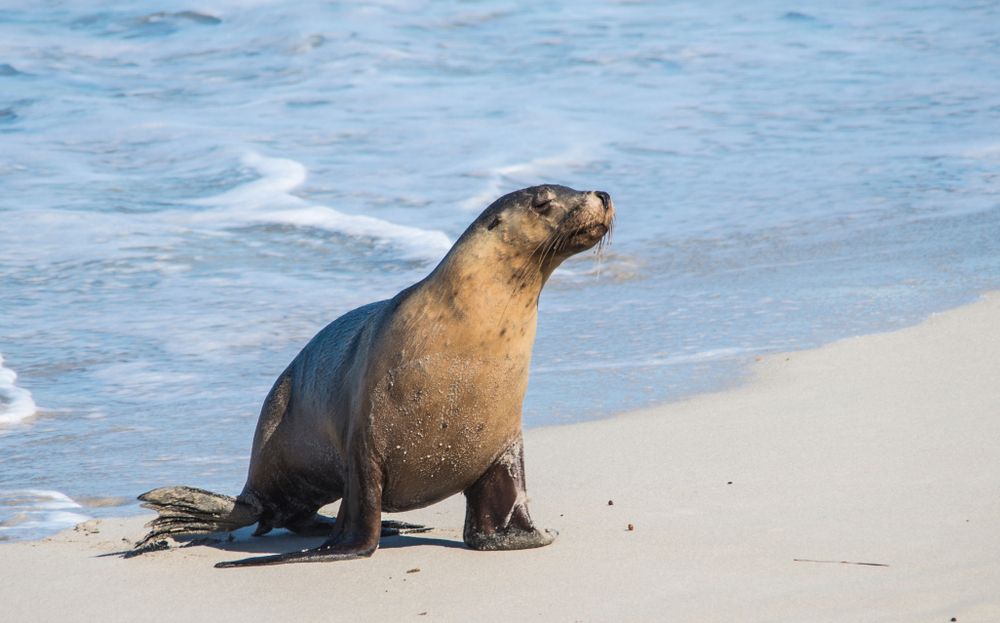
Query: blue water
189, 190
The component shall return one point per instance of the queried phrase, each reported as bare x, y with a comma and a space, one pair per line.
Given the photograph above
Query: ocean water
190, 190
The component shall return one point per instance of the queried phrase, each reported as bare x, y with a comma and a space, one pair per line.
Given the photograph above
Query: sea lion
404, 402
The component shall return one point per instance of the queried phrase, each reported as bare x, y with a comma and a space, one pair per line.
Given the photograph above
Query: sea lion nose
605, 199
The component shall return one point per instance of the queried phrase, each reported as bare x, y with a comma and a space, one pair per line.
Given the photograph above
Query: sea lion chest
448, 407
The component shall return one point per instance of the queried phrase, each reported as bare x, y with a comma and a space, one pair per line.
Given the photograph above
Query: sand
879, 449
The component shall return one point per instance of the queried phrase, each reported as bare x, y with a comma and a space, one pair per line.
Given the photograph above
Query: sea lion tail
187, 510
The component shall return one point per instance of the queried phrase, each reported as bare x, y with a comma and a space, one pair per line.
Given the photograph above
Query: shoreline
740, 372
746, 503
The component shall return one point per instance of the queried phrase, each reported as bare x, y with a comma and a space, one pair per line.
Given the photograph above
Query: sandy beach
755, 504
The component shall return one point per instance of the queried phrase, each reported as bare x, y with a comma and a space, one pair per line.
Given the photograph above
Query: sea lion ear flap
542, 201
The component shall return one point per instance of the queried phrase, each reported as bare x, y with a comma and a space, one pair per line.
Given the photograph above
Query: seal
404, 402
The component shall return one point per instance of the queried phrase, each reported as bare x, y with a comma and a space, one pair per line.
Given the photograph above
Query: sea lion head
549, 222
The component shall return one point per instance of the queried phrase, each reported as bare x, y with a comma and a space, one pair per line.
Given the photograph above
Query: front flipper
496, 512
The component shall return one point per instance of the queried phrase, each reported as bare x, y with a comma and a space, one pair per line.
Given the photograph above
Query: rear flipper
391, 527
186, 510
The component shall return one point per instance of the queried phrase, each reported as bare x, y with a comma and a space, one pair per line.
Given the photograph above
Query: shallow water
190, 191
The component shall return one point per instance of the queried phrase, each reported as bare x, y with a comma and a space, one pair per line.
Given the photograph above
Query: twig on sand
842, 562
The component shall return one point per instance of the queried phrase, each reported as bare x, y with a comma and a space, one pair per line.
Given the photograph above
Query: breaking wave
16, 403
269, 199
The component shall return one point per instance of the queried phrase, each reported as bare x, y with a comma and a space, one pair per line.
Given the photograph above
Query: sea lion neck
486, 279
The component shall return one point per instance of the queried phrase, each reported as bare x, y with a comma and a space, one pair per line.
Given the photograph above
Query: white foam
412, 241
16, 403
62, 519
255, 201
278, 177
45, 498
34, 510
717, 354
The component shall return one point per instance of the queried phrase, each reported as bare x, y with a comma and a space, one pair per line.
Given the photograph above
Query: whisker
519, 280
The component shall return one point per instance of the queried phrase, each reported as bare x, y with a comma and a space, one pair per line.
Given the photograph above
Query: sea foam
31, 511
269, 199
16, 403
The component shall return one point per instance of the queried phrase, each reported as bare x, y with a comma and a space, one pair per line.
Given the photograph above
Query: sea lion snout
592, 220
598, 206
605, 199
576, 220
606, 214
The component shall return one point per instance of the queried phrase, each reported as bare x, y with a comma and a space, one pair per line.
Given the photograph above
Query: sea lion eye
494, 222
542, 205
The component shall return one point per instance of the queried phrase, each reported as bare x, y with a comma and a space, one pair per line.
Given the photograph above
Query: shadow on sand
281, 541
